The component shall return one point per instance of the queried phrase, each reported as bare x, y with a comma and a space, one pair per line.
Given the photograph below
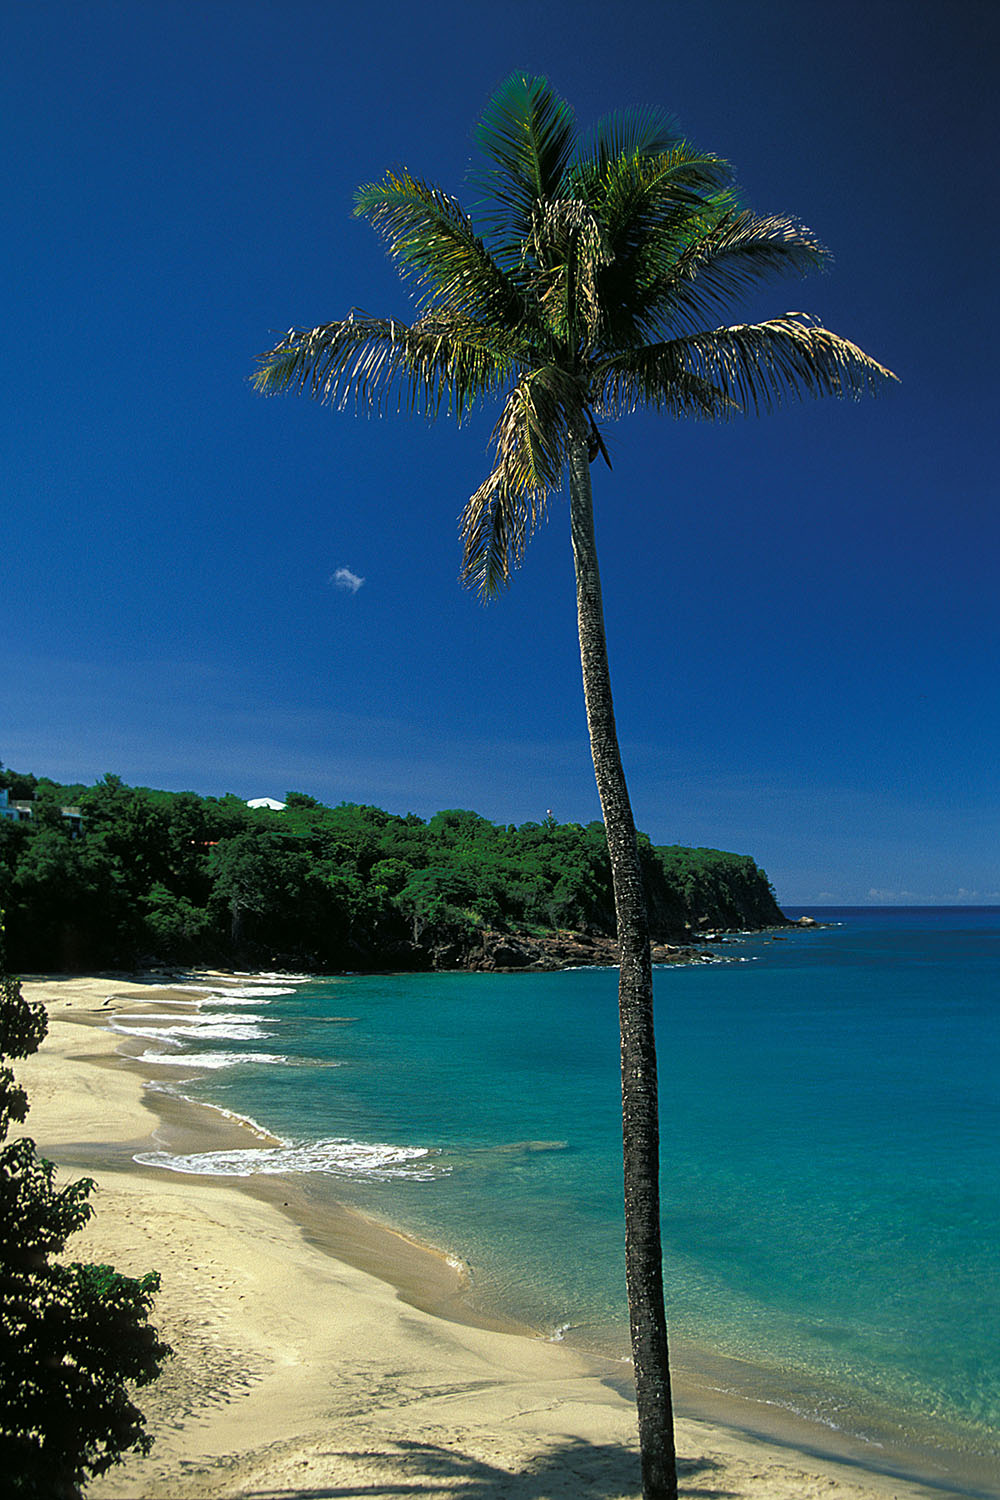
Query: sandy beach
312, 1358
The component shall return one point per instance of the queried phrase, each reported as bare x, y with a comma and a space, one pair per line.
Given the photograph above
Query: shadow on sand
570, 1468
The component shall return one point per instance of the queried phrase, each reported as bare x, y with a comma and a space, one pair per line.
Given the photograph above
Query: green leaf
432, 240
528, 135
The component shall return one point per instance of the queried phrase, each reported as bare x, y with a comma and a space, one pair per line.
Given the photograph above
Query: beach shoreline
317, 1348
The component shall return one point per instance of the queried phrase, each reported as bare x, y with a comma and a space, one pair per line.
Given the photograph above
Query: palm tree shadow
569, 1468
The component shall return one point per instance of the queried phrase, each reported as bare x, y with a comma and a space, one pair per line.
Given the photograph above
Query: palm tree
591, 288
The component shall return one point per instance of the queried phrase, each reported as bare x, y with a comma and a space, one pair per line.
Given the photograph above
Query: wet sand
320, 1354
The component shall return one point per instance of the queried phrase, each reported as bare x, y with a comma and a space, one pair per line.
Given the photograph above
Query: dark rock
668, 953
503, 952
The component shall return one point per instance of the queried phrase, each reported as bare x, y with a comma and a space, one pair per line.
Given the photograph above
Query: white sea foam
248, 992
210, 1060
176, 1036
279, 976
164, 1025
200, 1028
151, 1034
335, 1158
235, 992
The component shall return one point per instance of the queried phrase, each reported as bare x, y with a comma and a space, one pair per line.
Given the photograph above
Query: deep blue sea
830, 1123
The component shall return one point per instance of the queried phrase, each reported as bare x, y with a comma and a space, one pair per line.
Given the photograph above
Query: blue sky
802, 608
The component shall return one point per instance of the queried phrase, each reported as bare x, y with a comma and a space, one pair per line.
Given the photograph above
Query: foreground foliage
71, 1336
188, 879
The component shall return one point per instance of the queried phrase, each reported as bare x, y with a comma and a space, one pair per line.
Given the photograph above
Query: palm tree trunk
640, 1124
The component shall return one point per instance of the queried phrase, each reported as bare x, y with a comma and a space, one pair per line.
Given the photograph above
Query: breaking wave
335, 1158
210, 1060
219, 1027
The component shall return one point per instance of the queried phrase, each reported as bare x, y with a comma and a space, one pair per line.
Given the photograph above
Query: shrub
71, 1336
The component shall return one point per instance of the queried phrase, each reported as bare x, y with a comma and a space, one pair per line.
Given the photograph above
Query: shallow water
830, 1165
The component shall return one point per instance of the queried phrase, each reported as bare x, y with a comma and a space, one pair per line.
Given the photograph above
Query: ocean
830, 1144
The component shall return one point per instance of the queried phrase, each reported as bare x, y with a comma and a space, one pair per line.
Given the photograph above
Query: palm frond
656, 377
762, 366
625, 135
530, 442
380, 363
528, 134
432, 239
639, 194
650, 209
750, 367
729, 252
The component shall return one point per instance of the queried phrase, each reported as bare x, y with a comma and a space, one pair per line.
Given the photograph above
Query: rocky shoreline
504, 953
494, 952
511, 953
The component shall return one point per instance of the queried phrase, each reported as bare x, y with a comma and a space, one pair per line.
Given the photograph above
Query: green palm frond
495, 527
638, 195
530, 442
432, 239
379, 363
628, 135
750, 367
651, 210
730, 252
658, 378
528, 135
764, 365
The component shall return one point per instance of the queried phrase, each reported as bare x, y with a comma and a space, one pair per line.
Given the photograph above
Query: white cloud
345, 579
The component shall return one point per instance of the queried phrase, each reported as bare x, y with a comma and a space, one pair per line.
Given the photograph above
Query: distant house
267, 802
74, 817
21, 812
11, 810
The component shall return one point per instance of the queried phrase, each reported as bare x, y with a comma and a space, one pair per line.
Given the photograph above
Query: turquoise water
830, 1123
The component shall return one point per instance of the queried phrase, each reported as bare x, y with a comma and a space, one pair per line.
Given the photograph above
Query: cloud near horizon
345, 579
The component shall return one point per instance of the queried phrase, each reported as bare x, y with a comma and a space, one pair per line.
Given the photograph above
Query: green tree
129, 824
173, 927
20, 785
71, 1336
300, 799
68, 902
270, 887
590, 288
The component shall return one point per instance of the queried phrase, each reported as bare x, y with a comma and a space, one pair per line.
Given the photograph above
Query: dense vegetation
180, 878
72, 1337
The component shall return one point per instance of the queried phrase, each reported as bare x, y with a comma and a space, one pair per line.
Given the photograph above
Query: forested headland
142, 877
